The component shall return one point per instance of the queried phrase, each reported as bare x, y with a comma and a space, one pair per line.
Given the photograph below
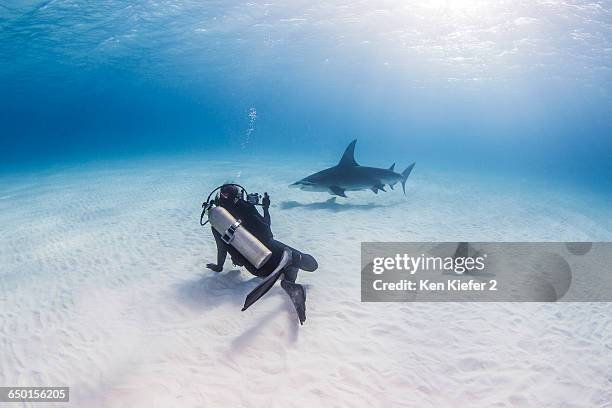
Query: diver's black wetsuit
285, 261
260, 227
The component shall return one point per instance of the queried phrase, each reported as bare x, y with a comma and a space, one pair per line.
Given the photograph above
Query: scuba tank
234, 234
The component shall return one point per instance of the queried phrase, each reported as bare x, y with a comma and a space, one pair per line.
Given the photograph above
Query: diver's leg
290, 273
294, 290
305, 262
301, 260
267, 283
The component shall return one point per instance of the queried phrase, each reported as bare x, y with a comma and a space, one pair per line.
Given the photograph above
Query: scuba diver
278, 259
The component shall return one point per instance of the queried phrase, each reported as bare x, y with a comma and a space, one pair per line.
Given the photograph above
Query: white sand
103, 287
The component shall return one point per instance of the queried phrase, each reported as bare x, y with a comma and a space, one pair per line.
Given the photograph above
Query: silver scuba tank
238, 236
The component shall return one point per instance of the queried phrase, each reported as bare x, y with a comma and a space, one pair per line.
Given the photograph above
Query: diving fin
267, 283
298, 298
261, 289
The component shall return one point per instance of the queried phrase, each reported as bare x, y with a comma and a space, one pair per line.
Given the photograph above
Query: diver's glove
214, 267
265, 202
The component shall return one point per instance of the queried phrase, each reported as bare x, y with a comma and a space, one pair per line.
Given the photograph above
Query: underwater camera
253, 198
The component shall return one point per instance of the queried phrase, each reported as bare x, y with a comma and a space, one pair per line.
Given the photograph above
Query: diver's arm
254, 215
266, 217
266, 207
221, 253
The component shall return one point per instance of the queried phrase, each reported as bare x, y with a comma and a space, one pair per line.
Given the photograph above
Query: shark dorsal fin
348, 158
392, 168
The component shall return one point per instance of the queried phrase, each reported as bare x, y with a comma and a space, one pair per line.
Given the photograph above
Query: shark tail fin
405, 175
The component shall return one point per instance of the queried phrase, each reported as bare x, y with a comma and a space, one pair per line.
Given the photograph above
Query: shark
347, 175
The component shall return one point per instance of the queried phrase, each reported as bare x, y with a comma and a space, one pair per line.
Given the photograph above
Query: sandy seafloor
103, 287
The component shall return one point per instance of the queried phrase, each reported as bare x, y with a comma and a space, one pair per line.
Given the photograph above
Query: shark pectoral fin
381, 187
391, 185
374, 189
335, 190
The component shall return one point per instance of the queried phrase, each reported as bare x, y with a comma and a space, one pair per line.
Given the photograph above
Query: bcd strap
228, 235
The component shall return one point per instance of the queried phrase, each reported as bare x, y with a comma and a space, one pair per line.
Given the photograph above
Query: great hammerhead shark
350, 176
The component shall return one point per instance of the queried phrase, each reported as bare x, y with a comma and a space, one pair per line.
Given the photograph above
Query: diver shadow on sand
292, 322
214, 289
241, 342
330, 205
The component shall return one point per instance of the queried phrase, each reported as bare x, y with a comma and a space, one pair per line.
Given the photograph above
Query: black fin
337, 191
463, 248
348, 158
298, 298
392, 168
261, 290
267, 283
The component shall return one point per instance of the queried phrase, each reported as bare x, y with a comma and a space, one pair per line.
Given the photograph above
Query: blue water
520, 89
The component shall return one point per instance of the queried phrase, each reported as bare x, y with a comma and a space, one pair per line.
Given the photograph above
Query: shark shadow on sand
330, 205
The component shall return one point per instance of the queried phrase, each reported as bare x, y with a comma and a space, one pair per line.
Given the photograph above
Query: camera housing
253, 198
